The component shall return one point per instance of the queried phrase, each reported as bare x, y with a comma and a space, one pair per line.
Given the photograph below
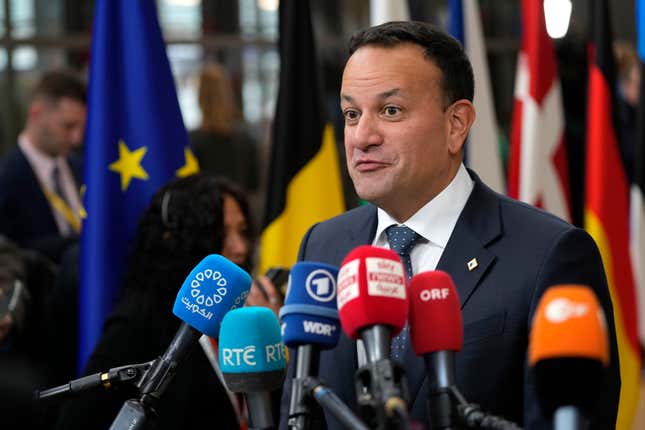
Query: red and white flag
538, 172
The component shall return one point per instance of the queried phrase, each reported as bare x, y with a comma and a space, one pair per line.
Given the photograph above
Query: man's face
397, 133
59, 125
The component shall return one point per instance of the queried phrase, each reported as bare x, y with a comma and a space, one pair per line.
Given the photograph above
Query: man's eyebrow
382, 96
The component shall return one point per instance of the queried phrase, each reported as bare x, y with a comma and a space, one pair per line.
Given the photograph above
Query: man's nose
367, 132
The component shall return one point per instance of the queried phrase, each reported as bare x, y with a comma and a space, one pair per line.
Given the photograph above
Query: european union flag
135, 142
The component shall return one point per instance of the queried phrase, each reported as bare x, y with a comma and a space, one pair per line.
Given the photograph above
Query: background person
39, 181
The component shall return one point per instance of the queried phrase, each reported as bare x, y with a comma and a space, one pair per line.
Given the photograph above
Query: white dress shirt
43, 166
434, 222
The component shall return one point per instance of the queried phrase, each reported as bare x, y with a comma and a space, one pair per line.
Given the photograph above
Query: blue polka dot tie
401, 239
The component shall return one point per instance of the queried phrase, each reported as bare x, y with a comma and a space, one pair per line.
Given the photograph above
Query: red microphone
372, 293
436, 331
373, 306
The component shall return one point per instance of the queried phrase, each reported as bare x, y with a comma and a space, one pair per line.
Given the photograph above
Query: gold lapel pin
472, 264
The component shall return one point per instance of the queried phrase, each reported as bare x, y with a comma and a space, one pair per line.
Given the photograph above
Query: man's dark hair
439, 47
56, 84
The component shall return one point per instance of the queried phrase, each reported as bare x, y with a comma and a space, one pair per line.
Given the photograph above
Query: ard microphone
252, 360
214, 287
309, 324
373, 306
569, 351
436, 333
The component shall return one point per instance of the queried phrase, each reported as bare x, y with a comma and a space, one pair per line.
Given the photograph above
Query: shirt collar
437, 218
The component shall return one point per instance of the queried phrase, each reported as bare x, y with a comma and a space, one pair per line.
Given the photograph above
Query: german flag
304, 180
607, 207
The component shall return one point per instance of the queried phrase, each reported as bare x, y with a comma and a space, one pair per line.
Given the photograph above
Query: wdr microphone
436, 332
373, 306
309, 324
252, 360
214, 287
569, 351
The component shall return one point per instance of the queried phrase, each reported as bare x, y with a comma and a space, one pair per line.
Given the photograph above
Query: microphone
252, 360
309, 324
569, 353
373, 306
215, 286
436, 333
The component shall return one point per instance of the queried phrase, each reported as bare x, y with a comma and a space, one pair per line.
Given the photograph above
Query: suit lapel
478, 225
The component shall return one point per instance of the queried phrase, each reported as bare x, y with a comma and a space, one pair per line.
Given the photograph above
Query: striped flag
638, 187
538, 172
607, 208
304, 180
482, 148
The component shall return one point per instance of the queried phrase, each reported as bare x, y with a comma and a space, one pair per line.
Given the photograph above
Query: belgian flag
304, 179
607, 207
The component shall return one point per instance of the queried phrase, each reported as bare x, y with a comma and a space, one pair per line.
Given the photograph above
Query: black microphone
569, 353
213, 287
309, 324
252, 360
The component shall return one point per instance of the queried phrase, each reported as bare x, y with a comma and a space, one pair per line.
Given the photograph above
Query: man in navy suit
406, 96
39, 180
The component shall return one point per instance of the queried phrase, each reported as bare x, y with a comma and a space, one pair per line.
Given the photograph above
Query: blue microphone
310, 315
310, 323
252, 359
214, 287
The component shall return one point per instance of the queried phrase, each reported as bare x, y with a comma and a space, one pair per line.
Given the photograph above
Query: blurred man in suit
39, 180
406, 96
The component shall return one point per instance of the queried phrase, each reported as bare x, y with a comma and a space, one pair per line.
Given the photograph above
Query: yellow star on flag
191, 167
81, 211
129, 164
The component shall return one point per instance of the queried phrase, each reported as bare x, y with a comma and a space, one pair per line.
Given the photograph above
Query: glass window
180, 18
2, 18
185, 62
22, 18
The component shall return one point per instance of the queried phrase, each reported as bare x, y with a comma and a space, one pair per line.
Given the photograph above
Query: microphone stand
381, 384
300, 406
136, 414
474, 418
128, 374
331, 403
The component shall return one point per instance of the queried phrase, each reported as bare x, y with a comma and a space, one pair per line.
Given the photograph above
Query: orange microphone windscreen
569, 323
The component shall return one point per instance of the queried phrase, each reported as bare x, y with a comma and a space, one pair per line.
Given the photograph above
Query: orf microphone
309, 324
252, 360
373, 306
436, 332
569, 351
215, 286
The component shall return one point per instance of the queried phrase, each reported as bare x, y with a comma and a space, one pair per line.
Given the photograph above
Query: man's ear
461, 115
36, 109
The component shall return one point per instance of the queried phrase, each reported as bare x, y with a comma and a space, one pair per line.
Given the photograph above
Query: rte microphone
252, 360
373, 306
309, 324
215, 286
569, 353
436, 333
